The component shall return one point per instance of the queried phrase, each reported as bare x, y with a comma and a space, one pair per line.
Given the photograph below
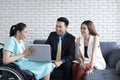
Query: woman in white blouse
89, 55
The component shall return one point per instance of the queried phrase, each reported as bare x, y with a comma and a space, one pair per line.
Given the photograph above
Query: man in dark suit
67, 49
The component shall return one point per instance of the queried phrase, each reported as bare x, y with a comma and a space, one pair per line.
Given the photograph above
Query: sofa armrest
107, 47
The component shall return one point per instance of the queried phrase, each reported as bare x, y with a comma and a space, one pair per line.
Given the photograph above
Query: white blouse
99, 61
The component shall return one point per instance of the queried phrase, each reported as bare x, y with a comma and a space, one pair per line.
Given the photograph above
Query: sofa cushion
118, 67
114, 57
107, 74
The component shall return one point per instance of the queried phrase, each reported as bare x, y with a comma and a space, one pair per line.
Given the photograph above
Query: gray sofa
111, 53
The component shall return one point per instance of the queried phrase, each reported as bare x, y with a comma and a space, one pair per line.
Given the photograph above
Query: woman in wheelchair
14, 52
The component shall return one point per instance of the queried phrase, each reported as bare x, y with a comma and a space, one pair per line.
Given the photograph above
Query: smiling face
84, 30
22, 35
60, 27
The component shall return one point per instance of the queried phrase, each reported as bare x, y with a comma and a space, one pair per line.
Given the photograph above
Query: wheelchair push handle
1, 50
2, 44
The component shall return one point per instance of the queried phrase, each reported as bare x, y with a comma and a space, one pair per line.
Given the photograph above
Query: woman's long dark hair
17, 27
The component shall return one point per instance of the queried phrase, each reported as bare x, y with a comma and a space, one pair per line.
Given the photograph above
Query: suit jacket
68, 46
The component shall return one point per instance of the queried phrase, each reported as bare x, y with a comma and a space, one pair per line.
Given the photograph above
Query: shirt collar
62, 37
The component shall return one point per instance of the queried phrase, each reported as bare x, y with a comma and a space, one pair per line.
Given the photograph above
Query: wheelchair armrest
12, 65
28, 73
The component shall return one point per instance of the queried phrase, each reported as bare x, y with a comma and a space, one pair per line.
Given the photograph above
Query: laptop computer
42, 52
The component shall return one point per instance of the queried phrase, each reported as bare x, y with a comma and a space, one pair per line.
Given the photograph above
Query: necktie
58, 56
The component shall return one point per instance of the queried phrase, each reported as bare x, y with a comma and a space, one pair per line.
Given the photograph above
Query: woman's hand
81, 62
90, 71
29, 51
81, 65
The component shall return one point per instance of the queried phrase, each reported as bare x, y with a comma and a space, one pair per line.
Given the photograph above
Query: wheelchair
12, 71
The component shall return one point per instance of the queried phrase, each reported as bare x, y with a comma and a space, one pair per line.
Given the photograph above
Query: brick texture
40, 17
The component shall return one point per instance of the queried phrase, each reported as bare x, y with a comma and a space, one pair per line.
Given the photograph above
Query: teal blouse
39, 69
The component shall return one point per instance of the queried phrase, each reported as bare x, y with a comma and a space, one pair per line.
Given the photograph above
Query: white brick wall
40, 16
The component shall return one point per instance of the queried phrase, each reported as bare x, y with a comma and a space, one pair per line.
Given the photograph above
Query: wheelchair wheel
7, 73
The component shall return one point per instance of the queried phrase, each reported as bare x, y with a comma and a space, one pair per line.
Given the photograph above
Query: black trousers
67, 70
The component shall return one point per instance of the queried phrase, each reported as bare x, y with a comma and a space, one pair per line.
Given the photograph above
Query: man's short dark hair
63, 19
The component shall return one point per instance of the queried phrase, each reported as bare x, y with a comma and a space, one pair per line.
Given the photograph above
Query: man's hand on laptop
58, 63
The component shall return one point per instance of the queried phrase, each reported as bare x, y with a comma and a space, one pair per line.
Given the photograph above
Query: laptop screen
42, 52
